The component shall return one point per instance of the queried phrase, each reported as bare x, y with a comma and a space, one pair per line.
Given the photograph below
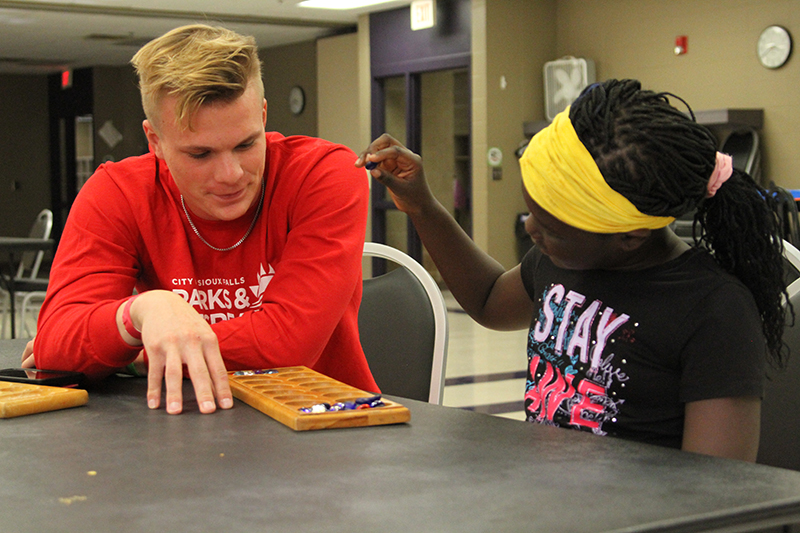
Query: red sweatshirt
289, 295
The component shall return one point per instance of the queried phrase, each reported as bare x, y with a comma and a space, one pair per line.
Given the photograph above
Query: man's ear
632, 240
152, 138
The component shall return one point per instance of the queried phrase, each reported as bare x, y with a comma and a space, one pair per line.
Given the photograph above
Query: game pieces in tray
304, 399
17, 399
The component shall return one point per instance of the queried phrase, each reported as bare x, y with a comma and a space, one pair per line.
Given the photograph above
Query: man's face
217, 165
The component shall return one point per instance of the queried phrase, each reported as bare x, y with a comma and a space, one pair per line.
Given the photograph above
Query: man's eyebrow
251, 138
199, 147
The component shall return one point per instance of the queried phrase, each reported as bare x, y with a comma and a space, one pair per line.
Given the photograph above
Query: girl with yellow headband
632, 332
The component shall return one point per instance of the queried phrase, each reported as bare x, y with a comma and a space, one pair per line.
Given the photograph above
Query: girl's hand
400, 170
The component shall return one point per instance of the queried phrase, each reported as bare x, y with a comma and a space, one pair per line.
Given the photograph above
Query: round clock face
297, 100
774, 46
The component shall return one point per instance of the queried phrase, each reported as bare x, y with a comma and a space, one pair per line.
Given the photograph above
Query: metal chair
31, 302
745, 148
403, 327
27, 283
791, 260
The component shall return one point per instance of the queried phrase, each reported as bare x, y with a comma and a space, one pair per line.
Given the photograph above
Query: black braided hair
660, 159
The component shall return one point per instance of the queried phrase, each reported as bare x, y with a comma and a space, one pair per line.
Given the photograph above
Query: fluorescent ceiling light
341, 4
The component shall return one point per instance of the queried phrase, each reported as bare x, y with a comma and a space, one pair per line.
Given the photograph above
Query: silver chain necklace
240, 241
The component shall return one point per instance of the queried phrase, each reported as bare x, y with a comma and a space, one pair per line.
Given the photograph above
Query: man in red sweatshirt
244, 247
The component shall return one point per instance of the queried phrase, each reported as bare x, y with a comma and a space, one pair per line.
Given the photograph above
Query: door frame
413, 106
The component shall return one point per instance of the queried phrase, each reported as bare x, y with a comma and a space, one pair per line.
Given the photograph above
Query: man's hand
174, 335
27, 356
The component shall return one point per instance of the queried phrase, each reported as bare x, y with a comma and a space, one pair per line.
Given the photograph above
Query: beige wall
625, 39
511, 40
117, 99
635, 39
24, 149
284, 67
364, 91
340, 117
337, 109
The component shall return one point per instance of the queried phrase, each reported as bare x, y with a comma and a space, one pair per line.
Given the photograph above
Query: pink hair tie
722, 171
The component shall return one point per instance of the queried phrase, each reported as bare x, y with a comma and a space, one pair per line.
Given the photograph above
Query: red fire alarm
66, 79
681, 45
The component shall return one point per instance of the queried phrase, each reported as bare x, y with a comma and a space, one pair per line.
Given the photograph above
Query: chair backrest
780, 408
30, 262
744, 146
403, 327
791, 262
684, 227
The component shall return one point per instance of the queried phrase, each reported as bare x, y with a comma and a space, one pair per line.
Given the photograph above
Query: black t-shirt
637, 345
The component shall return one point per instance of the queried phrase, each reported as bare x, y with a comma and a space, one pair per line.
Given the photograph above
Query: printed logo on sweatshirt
220, 299
571, 361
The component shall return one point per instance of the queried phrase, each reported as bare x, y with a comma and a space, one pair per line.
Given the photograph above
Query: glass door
429, 112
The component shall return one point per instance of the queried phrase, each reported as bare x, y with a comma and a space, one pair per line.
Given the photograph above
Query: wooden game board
17, 399
282, 393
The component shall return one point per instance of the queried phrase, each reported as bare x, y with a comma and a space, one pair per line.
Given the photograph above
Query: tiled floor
485, 369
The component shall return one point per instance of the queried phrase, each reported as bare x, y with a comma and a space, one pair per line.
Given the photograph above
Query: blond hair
197, 64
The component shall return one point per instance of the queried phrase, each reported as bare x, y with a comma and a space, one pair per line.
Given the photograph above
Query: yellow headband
561, 176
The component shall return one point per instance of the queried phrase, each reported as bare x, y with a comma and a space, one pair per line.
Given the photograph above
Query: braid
740, 227
647, 150
661, 160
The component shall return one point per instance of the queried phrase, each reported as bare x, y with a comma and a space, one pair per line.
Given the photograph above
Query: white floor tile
518, 415
474, 350
511, 390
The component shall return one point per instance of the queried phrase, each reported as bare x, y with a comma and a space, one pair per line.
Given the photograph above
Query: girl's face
570, 247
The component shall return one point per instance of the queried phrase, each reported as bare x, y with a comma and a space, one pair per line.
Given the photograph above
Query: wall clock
297, 100
774, 46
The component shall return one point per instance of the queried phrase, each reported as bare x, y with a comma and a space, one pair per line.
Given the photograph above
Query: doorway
429, 112
71, 131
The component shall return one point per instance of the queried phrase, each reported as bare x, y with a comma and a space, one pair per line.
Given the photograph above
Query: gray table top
115, 464
10, 246
24, 244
